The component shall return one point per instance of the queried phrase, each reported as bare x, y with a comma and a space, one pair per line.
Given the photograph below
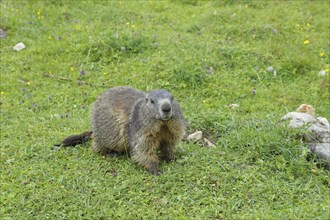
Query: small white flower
270, 69
322, 73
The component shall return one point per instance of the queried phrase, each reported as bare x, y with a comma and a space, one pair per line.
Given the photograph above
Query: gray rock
317, 135
298, 119
322, 150
3, 33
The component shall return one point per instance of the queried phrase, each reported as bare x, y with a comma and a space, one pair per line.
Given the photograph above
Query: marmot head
160, 102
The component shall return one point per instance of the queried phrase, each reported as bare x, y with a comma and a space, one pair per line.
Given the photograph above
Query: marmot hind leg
101, 150
106, 151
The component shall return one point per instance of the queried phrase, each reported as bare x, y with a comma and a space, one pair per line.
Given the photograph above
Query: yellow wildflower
72, 69
28, 83
39, 14
77, 26
306, 42
322, 54
327, 70
133, 26
2, 92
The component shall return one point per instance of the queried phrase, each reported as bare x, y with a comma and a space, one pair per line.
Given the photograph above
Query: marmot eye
152, 101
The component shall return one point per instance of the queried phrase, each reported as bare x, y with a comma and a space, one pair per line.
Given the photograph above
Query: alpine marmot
126, 120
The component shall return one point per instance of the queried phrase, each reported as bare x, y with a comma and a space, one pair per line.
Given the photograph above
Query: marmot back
141, 124
110, 119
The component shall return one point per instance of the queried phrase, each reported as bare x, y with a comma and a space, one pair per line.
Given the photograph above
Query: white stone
208, 143
275, 73
318, 128
18, 47
3, 33
233, 106
324, 121
298, 119
321, 149
270, 69
317, 135
197, 136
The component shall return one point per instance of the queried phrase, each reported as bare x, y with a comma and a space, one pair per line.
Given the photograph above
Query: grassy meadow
209, 55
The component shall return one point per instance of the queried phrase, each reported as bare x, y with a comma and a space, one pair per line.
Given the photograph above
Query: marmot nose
166, 107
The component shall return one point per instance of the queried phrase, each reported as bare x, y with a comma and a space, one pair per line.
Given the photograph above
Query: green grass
258, 170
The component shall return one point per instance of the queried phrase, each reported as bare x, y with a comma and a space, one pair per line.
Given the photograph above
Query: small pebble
197, 136
270, 69
3, 33
210, 70
233, 106
208, 143
18, 47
